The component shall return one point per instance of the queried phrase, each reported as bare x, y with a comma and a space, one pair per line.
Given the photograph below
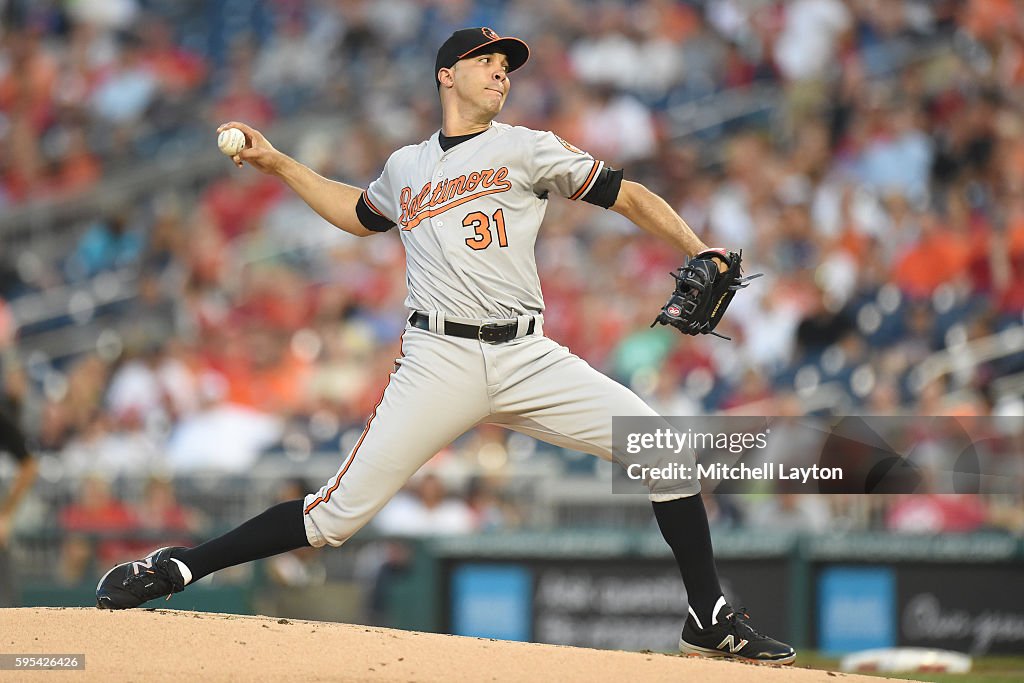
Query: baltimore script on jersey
464, 187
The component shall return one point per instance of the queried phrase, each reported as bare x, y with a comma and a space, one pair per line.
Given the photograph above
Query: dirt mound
159, 645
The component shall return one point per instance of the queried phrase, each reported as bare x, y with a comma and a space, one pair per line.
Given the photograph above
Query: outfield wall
834, 593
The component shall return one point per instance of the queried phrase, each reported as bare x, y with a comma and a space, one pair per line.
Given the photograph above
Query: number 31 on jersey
481, 225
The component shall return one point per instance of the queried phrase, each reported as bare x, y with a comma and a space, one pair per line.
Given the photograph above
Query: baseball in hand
231, 141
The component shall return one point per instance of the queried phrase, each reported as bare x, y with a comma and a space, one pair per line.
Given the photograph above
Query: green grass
984, 669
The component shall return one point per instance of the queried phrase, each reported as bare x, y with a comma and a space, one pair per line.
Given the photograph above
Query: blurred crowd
882, 195
99, 528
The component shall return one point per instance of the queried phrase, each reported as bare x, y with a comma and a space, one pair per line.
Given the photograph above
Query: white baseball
231, 141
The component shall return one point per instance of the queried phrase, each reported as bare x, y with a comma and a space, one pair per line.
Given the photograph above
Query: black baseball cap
480, 40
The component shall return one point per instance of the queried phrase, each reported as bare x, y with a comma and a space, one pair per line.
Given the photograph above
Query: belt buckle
480, 333
483, 336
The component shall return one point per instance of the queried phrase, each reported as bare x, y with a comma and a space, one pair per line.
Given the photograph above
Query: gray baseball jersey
469, 217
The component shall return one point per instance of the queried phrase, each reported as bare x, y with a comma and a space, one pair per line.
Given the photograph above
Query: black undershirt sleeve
370, 219
606, 188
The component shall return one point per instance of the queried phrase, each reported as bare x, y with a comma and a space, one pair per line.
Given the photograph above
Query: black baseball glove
702, 293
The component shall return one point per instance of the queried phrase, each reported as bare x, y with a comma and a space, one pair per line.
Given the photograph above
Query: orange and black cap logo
481, 40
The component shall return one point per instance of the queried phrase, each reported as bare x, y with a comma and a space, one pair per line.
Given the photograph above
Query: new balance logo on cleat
731, 635
144, 564
729, 642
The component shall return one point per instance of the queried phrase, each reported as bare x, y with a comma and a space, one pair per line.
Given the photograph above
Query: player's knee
335, 534
333, 527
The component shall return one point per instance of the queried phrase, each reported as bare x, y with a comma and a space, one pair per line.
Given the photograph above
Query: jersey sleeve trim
366, 198
589, 182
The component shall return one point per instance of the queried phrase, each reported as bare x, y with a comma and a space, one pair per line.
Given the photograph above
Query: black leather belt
490, 333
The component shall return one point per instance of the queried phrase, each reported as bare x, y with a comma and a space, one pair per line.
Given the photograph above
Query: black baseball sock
277, 530
684, 524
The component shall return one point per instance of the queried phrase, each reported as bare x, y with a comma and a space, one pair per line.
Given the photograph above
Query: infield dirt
171, 645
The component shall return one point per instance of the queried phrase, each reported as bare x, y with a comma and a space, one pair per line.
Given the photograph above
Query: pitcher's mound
168, 645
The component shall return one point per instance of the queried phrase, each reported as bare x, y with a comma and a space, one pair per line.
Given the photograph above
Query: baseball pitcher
467, 204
